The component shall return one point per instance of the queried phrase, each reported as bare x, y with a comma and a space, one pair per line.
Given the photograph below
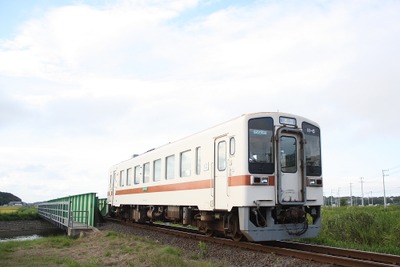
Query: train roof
243, 116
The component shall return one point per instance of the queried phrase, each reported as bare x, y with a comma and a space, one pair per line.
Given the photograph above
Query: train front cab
293, 162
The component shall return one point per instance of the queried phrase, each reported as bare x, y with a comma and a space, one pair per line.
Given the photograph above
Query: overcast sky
86, 84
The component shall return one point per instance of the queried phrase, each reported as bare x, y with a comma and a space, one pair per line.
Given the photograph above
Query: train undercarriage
221, 223
250, 223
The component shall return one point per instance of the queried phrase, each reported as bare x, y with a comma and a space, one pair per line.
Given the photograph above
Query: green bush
368, 228
355, 226
23, 213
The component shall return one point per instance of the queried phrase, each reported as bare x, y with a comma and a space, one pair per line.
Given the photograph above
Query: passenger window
222, 156
170, 167
185, 164
157, 170
198, 161
121, 178
146, 172
232, 146
137, 174
128, 176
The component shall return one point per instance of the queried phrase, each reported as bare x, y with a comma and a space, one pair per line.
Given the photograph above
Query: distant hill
5, 198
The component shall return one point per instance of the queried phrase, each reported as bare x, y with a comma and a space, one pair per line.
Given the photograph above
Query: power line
393, 172
394, 168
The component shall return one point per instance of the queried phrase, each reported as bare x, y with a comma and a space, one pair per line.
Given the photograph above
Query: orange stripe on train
240, 180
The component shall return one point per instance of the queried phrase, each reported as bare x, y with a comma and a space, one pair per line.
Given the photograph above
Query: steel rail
321, 254
357, 254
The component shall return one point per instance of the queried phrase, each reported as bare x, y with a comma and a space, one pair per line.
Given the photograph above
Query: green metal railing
56, 212
82, 202
74, 211
79, 218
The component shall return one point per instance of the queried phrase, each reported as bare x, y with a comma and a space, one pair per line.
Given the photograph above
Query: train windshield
313, 149
261, 160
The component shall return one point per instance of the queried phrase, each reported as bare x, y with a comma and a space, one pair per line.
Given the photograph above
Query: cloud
83, 87
74, 39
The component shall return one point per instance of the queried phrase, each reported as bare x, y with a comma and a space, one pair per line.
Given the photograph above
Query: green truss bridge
74, 214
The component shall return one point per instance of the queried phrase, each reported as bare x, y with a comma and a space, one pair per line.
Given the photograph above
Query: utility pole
372, 198
362, 191
351, 196
384, 189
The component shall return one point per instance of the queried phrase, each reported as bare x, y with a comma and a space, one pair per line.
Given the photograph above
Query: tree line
6, 198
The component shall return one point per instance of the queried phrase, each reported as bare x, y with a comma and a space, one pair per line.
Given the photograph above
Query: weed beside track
365, 228
100, 248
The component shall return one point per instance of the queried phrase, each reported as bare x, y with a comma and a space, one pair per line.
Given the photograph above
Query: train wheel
209, 232
236, 235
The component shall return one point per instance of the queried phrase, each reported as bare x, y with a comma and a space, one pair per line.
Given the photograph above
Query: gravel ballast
219, 254
229, 256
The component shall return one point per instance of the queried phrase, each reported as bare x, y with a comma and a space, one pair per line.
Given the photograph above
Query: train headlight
260, 180
315, 182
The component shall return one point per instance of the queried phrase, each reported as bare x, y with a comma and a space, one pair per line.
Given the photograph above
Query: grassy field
95, 249
6, 209
365, 228
18, 213
105, 248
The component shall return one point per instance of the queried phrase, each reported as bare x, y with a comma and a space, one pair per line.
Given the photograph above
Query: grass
365, 228
18, 213
6, 209
202, 249
106, 248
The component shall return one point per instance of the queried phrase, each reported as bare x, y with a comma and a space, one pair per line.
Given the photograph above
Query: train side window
185, 164
146, 172
121, 177
129, 176
198, 160
222, 156
232, 146
137, 174
170, 167
157, 170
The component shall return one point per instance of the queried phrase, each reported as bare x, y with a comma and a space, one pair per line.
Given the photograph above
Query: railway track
338, 256
322, 254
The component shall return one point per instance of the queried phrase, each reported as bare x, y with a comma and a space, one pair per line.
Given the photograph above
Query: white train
257, 177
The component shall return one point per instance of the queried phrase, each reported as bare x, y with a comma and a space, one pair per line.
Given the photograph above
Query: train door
290, 166
220, 173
